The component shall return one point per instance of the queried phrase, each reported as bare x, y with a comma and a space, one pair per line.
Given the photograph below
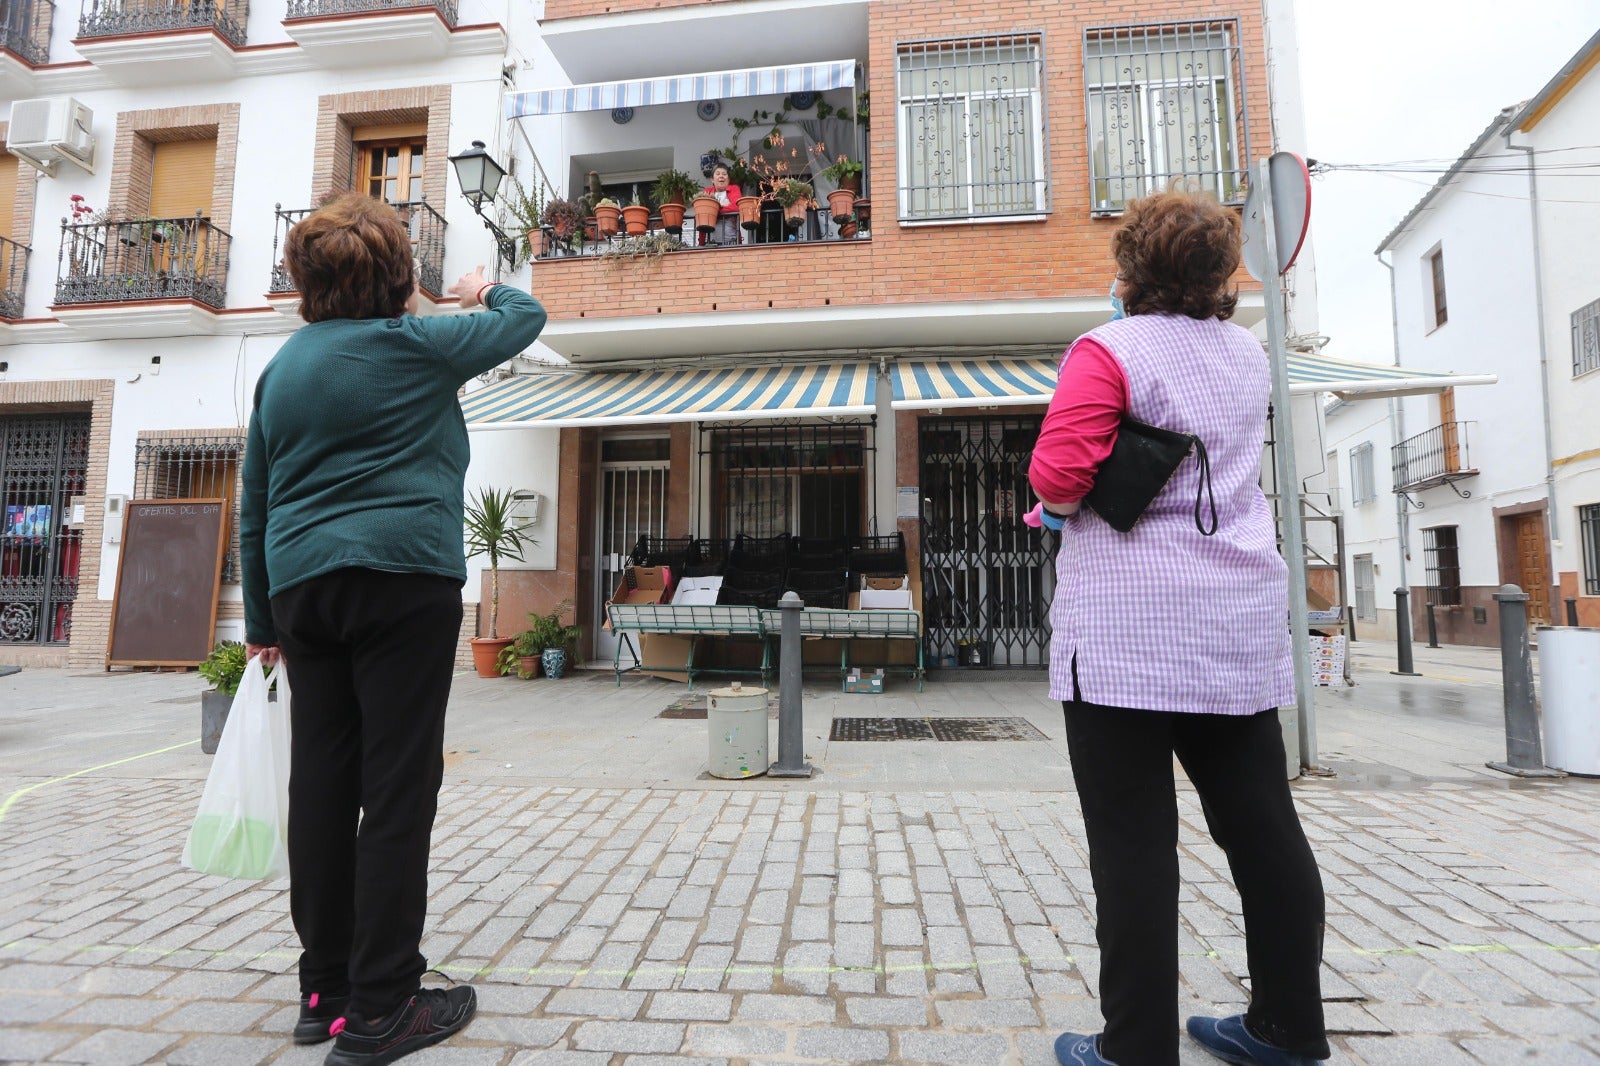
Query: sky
1388, 80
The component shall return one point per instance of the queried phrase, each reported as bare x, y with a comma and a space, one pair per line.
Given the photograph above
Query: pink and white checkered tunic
1162, 618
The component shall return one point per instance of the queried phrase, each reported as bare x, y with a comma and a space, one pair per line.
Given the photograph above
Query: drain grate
871, 729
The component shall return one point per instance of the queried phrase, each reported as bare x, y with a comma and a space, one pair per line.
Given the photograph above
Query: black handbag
1141, 462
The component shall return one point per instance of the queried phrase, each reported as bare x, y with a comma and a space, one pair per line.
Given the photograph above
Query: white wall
1569, 234
1481, 224
1370, 528
521, 460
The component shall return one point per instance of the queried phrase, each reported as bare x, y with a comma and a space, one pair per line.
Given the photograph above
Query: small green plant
224, 667
524, 645
607, 202
493, 531
674, 187
842, 168
548, 631
790, 191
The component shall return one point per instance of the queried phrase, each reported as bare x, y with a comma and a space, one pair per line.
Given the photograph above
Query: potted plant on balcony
794, 196
493, 531
673, 190
845, 173
608, 217
636, 218
706, 212
527, 212
563, 217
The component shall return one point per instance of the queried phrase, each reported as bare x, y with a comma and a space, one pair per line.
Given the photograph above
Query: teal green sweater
357, 453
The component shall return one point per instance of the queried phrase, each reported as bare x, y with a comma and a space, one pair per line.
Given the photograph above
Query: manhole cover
880, 729
985, 729
934, 729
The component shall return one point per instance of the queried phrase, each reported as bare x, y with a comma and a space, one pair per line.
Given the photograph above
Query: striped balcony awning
683, 88
650, 397
940, 383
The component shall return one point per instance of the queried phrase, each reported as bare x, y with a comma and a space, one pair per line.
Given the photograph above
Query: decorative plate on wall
708, 110
622, 115
803, 101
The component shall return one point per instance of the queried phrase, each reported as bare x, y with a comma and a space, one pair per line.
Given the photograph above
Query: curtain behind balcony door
181, 182
838, 137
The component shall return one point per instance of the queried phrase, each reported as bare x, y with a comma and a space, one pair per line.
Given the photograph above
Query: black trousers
1122, 764
370, 657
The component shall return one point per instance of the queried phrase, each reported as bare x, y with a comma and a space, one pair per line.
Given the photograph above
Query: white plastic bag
242, 827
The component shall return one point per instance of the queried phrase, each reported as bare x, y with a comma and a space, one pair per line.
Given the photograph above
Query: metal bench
696, 622
846, 626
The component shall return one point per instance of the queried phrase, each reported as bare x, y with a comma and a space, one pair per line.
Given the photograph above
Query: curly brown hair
1176, 253
351, 258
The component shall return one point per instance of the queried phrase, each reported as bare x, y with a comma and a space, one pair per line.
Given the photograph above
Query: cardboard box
883, 600
641, 584
697, 592
663, 655
886, 583
871, 684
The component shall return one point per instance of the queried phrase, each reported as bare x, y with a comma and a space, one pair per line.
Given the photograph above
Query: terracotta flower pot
749, 211
848, 229
672, 217
528, 667
842, 204
486, 654
636, 219
794, 216
706, 210
851, 182
608, 220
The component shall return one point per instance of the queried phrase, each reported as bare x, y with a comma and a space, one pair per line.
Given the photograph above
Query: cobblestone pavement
762, 923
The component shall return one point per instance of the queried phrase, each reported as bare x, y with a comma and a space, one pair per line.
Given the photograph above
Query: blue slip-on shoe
1230, 1041
1076, 1049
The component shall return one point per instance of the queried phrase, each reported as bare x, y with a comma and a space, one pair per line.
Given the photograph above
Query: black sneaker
317, 1016
427, 1018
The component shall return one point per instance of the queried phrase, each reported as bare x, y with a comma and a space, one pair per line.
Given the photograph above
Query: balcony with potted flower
137, 41
350, 33
24, 44
140, 277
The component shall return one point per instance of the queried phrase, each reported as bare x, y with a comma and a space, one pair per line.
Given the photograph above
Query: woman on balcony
1142, 680
727, 195
351, 536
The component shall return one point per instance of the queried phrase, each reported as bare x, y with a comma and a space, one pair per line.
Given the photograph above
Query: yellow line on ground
19, 793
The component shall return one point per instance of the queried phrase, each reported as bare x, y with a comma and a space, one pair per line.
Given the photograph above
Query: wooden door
1533, 565
181, 182
1448, 426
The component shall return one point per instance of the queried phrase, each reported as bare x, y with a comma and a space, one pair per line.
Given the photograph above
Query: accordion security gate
987, 578
44, 463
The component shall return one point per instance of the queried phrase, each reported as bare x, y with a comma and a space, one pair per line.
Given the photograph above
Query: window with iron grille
1441, 561
809, 480
1586, 339
972, 141
1589, 527
208, 467
1363, 484
1366, 590
1166, 111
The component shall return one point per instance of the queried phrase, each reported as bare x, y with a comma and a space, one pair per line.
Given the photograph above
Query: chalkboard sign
165, 611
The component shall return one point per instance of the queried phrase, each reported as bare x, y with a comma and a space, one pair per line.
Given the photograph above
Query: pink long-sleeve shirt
1081, 426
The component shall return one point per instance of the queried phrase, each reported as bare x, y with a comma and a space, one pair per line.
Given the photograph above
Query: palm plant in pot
493, 531
672, 191
558, 639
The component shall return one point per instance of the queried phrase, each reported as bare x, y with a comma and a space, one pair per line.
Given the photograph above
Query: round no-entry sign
1291, 214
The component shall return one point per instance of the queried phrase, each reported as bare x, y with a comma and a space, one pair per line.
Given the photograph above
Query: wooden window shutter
182, 178
8, 194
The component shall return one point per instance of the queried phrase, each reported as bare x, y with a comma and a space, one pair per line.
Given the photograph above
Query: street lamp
480, 177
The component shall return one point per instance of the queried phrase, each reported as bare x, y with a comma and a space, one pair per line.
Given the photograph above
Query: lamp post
480, 177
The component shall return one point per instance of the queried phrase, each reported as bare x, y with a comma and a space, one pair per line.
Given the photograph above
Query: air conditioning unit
44, 131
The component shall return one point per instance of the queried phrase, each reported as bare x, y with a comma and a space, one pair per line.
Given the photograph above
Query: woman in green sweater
351, 537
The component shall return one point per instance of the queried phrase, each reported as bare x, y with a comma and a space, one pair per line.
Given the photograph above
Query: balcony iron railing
427, 228
818, 226
110, 18
307, 9
13, 276
1436, 456
25, 29
143, 259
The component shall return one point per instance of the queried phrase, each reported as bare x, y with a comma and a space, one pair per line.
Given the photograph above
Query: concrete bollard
1524, 754
1402, 632
791, 729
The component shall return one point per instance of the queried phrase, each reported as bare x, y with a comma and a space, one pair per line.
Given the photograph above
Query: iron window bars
143, 259
1442, 565
306, 9
25, 29
13, 276
176, 468
1589, 526
972, 128
771, 480
1586, 339
427, 228
110, 18
44, 464
1166, 111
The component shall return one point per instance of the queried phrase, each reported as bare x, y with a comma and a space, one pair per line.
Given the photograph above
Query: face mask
1117, 310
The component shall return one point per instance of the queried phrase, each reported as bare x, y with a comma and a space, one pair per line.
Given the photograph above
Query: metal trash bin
1569, 689
736, 721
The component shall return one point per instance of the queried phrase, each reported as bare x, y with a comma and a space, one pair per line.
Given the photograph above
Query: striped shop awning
683, 88
648, 397
939, 383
